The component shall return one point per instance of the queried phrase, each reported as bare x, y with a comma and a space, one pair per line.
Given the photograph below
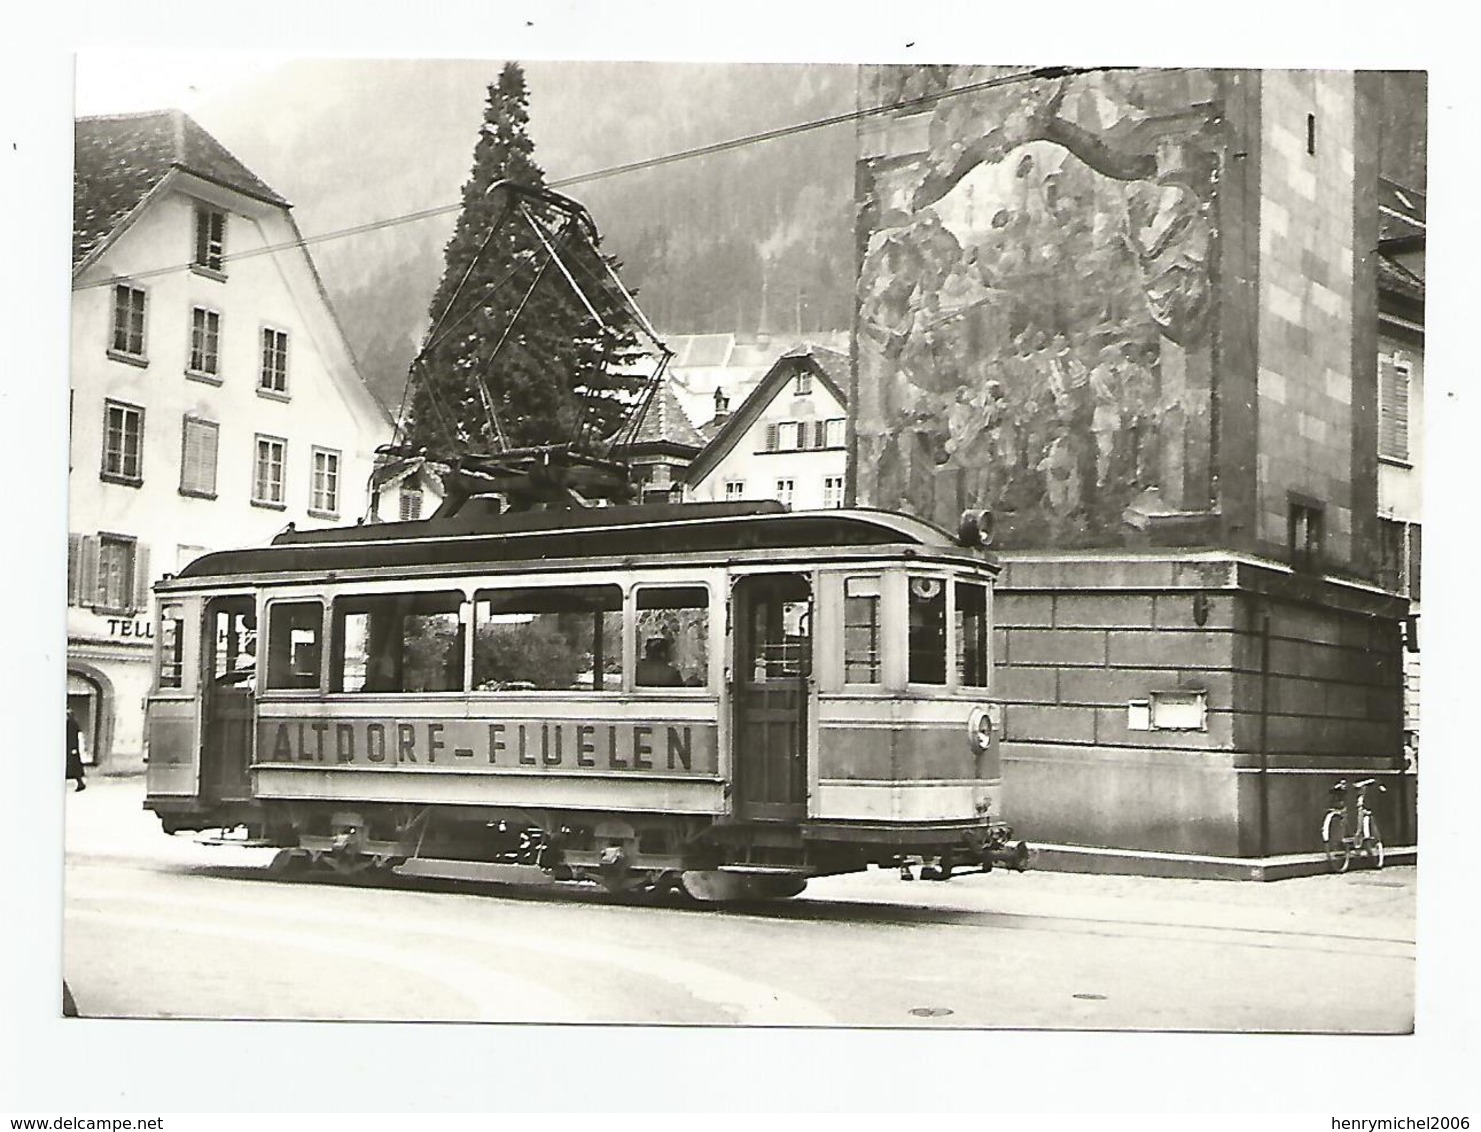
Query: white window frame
324, 482
264, 461
833, 492
119, 465
734, 490
835, 437
205, 343
125, 291
787, 435
272, 381
786, 490
804, 384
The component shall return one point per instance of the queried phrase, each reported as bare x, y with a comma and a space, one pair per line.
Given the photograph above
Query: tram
727, 699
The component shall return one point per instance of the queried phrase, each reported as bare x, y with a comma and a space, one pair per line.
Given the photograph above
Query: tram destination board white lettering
668, 748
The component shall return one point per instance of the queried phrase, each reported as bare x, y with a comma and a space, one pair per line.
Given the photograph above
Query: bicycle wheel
1337, 847
1373, 842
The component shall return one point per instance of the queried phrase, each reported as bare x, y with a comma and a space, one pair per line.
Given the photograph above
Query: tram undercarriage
704, 859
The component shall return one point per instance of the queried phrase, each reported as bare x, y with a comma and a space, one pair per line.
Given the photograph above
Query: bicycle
1349, 827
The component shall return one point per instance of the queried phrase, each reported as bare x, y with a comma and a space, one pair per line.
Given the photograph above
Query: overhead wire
1033, 74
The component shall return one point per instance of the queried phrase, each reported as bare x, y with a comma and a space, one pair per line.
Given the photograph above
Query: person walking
74, 752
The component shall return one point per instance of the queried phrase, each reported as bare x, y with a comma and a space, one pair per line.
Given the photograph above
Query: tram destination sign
626, 746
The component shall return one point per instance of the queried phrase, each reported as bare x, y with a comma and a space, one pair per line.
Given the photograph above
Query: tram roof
654, 531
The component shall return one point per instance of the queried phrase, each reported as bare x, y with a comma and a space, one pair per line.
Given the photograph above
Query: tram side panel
172, 712
538, 754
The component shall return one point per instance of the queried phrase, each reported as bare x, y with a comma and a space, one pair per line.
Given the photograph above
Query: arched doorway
89, 701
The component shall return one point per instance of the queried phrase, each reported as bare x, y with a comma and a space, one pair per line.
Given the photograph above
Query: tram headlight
982, 725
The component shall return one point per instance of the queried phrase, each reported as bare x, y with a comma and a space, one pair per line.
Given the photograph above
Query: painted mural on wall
1036, 301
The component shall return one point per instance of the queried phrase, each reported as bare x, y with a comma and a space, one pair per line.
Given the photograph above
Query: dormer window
210, 240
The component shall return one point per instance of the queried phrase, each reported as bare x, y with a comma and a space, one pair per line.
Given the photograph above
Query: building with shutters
788, 440
214, 399
1401, 253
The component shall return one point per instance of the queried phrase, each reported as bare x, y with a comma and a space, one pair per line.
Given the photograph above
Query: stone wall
1300, 686
1306, 313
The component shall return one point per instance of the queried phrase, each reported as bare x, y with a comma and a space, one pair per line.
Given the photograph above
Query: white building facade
214, 399
787, 441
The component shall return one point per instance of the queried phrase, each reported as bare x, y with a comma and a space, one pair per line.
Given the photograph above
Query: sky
110, 82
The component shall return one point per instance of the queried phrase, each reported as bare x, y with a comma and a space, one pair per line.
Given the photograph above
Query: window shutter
1416, 554
87, 571
1393, 409
74, 569
820, 434
771, 437
206, 477
141, 577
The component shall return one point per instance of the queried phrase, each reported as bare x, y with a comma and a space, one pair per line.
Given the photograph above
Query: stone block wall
1301, 680
1306, 383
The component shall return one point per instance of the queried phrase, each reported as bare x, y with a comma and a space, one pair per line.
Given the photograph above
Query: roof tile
119, 158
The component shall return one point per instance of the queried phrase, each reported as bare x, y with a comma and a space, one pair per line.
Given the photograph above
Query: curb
1146, 863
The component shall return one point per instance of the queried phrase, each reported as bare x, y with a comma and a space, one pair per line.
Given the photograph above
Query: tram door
229, 655
773, 667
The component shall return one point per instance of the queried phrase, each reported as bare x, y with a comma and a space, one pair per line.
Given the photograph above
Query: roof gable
829, 366
119, 159
665, 422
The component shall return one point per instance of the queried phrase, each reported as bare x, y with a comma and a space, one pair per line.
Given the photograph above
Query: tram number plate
540, 745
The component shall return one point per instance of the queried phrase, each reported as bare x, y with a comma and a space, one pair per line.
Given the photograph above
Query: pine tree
502, 312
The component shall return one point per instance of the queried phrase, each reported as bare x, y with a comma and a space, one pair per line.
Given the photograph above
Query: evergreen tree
505, 314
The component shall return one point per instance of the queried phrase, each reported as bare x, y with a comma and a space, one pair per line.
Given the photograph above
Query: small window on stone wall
1306, 520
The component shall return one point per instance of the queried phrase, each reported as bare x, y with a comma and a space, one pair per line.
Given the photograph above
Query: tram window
171, 646
548, 639
673, 637
971, 635
861, 630
927, 630
234, 648
397, 643
294, 654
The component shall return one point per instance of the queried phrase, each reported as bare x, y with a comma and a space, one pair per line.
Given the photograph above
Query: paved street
165, 927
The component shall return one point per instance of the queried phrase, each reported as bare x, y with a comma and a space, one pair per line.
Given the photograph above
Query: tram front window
548, 639
971, 635
861, 630
673, 637
389, 643
171, 646
927, 630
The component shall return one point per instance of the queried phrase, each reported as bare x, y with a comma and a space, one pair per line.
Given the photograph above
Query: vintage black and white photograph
883, 544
